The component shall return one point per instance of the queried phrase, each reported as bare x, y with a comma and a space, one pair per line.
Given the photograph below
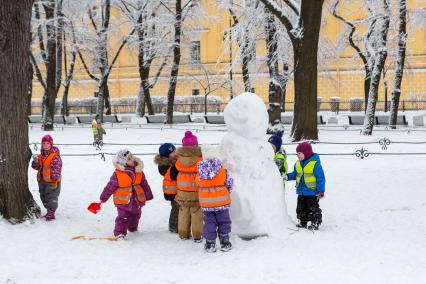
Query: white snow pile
258, 204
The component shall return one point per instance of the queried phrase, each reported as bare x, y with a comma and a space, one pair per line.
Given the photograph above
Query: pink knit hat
189, 139
47, 138
305, 148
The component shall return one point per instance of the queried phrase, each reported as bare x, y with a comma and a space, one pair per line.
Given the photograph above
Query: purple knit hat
189, 139
47, 138
305, 148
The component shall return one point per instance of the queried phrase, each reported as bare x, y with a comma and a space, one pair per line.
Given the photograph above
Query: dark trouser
174, 217
48, 195
308, 210
126, 220
216, 222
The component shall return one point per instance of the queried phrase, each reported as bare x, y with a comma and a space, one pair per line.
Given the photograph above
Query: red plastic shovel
94, 207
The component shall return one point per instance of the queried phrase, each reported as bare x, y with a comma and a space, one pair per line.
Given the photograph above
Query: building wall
343, 76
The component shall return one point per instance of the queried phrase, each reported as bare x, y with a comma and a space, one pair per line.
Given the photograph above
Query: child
166, 160
280, 156
190, 214
310, 185
214, 186
130, 190
49, 166
97, 129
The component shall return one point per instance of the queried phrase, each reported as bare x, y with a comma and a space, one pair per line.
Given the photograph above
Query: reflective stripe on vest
45, 171
186, 176
169, 185
308, 174
123, 193
213, 192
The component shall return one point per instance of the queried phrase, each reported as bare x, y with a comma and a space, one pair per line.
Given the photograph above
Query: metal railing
332, 105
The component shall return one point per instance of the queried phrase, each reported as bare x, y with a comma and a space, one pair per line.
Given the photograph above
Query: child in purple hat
310, 186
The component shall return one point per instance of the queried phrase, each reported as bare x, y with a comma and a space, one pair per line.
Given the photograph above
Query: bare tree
16, 201
379, 55
69, 72
50, 46
99, 15
180, 13
304, 36
209, 83
402, 41
152, 25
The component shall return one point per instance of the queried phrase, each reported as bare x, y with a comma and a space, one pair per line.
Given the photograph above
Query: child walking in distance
190, 214
310, 186
214, 186
166, 160
49, 166
97, 129
130, 191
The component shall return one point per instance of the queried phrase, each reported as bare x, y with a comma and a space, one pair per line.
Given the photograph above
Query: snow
258, 205
373, 231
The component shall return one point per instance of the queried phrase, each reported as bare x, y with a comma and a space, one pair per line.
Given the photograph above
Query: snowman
258, 203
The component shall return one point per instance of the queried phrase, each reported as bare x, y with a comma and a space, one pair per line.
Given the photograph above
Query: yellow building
342, 77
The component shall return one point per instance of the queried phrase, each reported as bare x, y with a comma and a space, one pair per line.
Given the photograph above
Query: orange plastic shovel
94, 207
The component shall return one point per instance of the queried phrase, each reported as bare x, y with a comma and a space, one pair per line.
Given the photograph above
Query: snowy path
374, 228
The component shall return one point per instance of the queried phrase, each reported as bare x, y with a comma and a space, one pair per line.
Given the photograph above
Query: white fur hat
210, 152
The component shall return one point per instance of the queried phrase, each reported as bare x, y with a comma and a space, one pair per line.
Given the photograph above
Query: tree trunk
377, 69
305, 72
400, 61
367, 83
30, 90
175, 66
49, 96
275, 90
16, 201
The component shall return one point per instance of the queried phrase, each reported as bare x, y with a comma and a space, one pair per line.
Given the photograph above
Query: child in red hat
49, 166
310, 186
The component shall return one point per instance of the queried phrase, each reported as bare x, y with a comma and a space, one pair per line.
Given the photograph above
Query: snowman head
246, 116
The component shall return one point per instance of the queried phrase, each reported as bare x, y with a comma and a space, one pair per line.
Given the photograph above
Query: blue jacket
302, 189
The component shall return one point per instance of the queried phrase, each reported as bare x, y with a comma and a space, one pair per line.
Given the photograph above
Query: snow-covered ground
374, 224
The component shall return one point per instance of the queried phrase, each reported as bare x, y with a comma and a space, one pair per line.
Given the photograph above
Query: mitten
320, 195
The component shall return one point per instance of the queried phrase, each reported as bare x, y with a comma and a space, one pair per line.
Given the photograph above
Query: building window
195, 52
195, 92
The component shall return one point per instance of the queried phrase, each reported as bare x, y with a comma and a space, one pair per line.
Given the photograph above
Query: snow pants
216, 222
173, 219
308, 209
126, 221
49, 194
190, 217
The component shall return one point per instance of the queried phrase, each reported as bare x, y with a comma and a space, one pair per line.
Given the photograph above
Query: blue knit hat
166, 149
276, 140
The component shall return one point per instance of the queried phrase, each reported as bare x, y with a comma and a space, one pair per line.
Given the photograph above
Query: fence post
403, 105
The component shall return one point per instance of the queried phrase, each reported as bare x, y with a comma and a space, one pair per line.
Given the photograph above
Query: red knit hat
305, 148
47, 138
189, 139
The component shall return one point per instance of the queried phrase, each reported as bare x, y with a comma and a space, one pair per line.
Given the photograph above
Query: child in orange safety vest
165, 161
214, 187
49, 166
130, 191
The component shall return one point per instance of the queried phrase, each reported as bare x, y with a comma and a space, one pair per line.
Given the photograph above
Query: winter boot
313, 226
225, 244
198, 240
301, 224
210, 246
50, 216
120, 237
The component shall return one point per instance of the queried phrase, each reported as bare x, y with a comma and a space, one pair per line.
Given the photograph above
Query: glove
285, 177
53, 185
320, 195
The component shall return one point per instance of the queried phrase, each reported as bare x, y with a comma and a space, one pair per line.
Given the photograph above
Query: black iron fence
333, 105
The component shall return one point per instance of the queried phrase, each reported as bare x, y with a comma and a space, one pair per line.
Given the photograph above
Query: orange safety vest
45, 170
169, 185
125, 185
186, 176
213, 192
